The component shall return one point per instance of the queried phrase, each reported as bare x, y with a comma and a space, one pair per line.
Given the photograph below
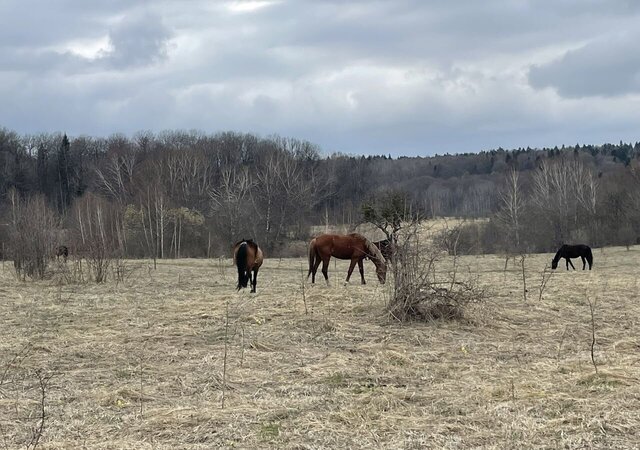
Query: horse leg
350, 271
361, 268
584, 262
325, 269
255, 280
314, 270
569, 262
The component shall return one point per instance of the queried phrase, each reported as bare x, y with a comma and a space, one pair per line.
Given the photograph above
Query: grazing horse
573, 251
63, 251
387, 248
248, 257
352, 246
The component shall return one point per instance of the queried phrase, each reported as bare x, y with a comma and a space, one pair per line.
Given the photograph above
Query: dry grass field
141, 364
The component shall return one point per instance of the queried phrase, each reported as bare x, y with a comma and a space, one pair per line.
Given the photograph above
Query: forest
191, 194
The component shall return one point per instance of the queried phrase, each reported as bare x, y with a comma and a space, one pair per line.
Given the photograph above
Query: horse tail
241, 262
589, 257
312, 255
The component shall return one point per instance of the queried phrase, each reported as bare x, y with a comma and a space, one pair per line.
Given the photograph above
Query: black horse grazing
63, 251
573, 251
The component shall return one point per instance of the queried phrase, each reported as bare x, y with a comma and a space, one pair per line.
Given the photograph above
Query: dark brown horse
248, 257
387, 248
352, 246
63, 251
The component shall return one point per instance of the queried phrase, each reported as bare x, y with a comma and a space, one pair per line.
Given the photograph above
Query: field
140, 364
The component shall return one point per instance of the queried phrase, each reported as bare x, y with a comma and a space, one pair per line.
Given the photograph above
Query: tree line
191, 194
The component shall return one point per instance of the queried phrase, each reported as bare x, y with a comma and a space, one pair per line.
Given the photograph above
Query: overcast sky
406, 77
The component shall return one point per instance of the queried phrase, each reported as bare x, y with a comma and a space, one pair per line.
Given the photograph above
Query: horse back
340, 246
575, 251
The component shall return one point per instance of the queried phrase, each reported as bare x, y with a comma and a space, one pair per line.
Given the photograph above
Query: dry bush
100, 236
24, 394
33, 236
69, 271
420, 291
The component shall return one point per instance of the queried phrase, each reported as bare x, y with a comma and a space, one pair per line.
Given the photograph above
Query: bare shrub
420, 291
98, 226
24, 393
69, 271
33, 236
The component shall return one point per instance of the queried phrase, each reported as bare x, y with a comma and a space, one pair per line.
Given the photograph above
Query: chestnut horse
248, 257
352, 246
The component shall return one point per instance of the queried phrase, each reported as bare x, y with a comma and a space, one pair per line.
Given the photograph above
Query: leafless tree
34, 235
230, 200
512, 202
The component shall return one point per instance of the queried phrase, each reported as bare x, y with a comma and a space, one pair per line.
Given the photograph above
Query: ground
141, 363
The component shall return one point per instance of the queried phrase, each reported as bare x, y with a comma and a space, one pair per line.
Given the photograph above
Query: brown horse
352, 246
247, 256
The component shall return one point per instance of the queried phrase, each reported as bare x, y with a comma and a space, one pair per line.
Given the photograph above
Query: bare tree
34, 235
229, 202
512, 201
562, 189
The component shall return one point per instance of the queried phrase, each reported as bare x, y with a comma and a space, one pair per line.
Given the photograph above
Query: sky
400, 77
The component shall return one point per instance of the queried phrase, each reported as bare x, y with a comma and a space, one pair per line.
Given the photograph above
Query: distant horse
248, 257
387, 248
573, 251
63, 251
351, 246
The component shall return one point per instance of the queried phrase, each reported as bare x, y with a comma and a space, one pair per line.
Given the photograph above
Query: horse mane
374, 253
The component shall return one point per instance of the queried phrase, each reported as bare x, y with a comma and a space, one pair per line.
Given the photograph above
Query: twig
224, 364
43, 382
592, 306
524, 277
561, 342
304, 295
546, 276
141, 386
242, 346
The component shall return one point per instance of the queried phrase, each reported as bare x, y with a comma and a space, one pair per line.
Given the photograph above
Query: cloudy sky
398, 76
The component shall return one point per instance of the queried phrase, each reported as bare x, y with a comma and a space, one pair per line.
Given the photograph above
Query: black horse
573, 251
63, 251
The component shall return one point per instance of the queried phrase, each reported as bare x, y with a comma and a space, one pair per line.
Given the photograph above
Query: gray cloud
137, 40
396, 76
605, 67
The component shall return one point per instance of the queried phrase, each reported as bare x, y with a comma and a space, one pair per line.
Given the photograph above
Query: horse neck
376, 257
379, 263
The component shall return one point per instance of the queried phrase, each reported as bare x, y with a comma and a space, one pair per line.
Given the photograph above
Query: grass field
141, 364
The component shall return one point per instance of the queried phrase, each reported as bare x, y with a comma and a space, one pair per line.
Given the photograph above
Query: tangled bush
421, 292
33, 236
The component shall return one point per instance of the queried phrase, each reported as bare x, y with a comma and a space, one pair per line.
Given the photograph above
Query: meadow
175, 358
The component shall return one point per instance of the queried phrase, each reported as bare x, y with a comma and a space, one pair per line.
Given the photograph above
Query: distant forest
179, 193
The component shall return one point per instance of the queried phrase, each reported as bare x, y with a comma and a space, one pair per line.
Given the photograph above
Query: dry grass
140, 364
